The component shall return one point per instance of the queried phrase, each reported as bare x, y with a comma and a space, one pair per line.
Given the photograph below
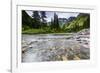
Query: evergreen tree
26, 20
43, 16
56, 21
36, 19
52, 23
87, 22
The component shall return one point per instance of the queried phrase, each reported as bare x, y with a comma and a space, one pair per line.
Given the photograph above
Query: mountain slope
82, 21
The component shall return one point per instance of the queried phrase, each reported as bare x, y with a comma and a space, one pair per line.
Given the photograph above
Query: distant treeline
37, 23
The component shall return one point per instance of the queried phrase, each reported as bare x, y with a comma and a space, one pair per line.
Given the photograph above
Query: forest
37, 23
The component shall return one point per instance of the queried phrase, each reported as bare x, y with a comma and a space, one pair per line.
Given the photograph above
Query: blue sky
50, 14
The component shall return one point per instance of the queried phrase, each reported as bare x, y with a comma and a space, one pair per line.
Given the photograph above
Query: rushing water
52, 47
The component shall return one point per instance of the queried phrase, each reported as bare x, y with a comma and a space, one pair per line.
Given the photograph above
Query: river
54, 47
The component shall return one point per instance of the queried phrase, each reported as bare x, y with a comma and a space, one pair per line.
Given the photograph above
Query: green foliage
55, 23
36, 20
33, 31
26, 21
38, 31
81, 22
43, 21
38, 24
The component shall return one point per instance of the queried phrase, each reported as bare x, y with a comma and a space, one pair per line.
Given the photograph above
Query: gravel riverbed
58, 47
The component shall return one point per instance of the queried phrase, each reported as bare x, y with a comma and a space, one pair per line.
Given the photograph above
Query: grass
33, 31
40, 31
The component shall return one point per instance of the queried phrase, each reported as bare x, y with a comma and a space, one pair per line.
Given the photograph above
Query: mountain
71, 19
82, 21
62, 21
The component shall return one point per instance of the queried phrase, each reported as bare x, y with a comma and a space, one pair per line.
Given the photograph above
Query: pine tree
56, 21
26, 20
52, 23
43, 16
36, 19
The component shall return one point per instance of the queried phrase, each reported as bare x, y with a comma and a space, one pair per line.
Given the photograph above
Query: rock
84, 32
23, 51
30, 46
76, 58
64, 58
58, 56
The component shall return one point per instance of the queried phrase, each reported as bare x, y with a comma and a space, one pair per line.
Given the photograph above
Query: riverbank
44, 31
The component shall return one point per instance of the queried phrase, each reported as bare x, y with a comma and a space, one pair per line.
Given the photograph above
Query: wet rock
64, 58
76, 57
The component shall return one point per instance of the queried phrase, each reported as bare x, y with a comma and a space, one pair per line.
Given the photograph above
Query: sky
50, 14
